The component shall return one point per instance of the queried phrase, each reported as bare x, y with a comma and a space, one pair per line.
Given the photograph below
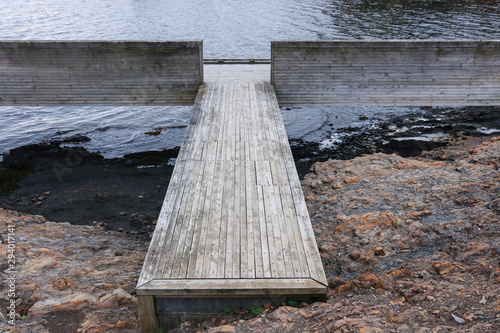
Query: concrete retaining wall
99, 72
387, 73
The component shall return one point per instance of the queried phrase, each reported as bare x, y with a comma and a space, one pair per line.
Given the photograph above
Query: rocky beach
409, 242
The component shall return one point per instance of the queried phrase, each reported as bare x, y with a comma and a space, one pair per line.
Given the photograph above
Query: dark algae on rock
82, 187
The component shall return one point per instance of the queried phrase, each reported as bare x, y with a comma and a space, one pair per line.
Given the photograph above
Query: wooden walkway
234, 222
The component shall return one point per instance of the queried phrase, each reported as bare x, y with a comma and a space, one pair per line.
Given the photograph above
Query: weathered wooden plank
215, 268
230, 287
185, 244
166, 219
176, 240
226, 186
147, 313
269, 198
239, 260
255, 258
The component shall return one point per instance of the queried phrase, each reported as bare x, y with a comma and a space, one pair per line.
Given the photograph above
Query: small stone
430, 298
46, 193
379, 251
443, 268
336, 281
123, 214
327, 248
118, 298
483, 301
118, 253
368, 280
38, 203
135, 215
458, 319
470, 316
120, 229
355, 255
395, 318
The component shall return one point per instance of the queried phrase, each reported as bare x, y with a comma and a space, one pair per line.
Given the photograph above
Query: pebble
458, 319
379, 251
355, 255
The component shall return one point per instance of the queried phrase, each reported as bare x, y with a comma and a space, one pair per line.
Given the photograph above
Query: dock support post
147, 313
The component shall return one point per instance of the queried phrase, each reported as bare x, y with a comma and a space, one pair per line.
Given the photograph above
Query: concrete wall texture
386, 73
36, 73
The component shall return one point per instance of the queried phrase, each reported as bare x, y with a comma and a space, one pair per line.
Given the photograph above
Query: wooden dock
234, 228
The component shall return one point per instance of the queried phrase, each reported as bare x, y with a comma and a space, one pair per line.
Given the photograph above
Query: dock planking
234, 223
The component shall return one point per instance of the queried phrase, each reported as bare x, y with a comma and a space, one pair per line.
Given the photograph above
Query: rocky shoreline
409, 244
69, 278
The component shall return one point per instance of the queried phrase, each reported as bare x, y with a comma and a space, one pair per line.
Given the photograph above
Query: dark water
229, 28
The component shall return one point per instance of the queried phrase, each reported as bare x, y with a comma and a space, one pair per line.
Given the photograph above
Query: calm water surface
229, 28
